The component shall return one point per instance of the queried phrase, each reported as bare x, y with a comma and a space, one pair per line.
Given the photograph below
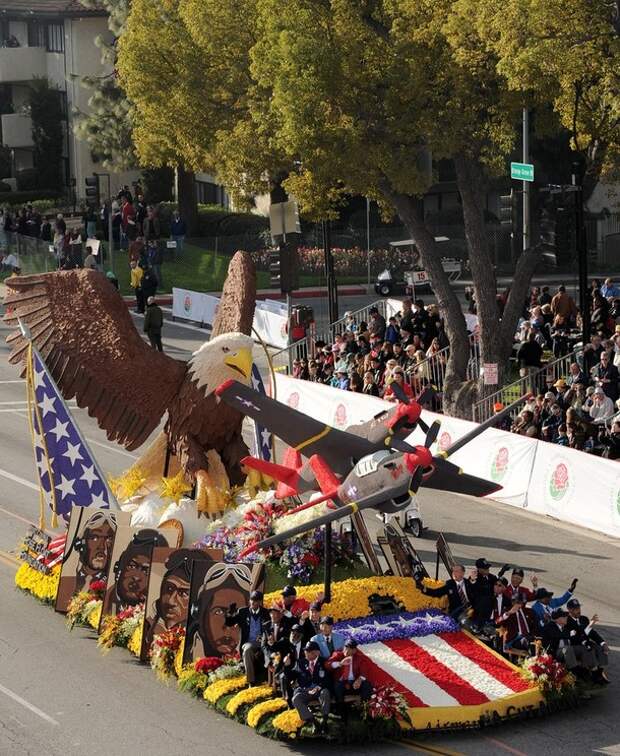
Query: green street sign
522, 171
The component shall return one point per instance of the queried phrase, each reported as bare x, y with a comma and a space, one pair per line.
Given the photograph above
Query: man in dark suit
250, 621
351, 672
457, 589
499, 604
276, 632
556, 641
285, 667
482, 588
520, 624
314, 684
311, 621
582, 633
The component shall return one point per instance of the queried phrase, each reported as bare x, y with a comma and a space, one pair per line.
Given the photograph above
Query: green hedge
40, 199
214, 220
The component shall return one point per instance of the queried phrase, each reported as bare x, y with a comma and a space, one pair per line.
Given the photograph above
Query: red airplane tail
325, 477
287, 477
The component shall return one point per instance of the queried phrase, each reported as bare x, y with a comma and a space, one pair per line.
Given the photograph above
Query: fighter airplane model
366, 466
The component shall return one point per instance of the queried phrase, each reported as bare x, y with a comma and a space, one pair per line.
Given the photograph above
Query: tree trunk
496, 336
456, 388
186, 197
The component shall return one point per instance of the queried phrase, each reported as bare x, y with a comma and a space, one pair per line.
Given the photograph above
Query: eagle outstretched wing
84, 331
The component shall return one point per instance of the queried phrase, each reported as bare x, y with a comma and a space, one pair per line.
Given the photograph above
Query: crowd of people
368, 356
517, 619
296, 648
318, 670
580, 410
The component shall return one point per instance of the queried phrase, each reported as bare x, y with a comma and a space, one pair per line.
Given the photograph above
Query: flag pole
34, 352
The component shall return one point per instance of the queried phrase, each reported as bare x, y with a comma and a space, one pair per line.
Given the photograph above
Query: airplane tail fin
287, 477
327, 480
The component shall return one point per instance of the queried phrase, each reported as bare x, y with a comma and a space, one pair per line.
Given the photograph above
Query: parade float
204, 523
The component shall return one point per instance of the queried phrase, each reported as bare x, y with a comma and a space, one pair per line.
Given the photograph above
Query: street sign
522, 171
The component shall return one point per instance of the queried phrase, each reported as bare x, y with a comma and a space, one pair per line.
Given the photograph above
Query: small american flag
263, 438
67, 470
55, 551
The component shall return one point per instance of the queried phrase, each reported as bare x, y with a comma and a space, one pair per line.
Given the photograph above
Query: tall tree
343, 96
568, 55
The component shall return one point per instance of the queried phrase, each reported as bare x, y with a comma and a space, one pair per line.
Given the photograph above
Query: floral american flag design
67, 470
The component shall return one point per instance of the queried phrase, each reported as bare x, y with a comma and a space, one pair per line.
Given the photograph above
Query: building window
36, 34
55, 37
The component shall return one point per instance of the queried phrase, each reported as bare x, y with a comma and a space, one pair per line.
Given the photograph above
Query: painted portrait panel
214, 589
88, 552
167, 603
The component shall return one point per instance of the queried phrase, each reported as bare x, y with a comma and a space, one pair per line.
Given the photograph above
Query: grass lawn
198, 269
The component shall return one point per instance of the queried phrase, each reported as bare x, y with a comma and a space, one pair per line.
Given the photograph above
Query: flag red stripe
379, 677
438, 672
487, 661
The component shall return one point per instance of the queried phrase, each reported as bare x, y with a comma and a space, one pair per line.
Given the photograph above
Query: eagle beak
241, 361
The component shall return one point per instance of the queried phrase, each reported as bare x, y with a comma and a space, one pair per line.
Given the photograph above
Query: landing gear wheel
414, 526
385, 290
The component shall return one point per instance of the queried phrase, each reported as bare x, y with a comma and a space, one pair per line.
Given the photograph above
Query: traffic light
558, 232
284, 268
508, 209
92, 191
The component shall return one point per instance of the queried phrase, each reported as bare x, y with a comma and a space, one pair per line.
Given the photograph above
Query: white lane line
110, 448
17, 479
20, 380
16, 516
27, 705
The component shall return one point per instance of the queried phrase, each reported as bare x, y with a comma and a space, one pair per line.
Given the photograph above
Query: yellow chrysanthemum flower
221, 688
288, 722
135, 642
350, 597
249, 695
263, 708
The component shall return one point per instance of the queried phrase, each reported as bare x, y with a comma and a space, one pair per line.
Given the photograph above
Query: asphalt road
58, 695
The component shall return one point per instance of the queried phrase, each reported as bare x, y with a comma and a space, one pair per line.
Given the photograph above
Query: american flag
263, 438
67, 470
55, 551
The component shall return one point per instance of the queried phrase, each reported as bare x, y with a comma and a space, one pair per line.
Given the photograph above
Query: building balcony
17, 131
19, 64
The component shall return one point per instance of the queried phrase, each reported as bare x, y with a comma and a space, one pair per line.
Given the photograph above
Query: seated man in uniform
314, 684
351, 672
520, 624
582, 633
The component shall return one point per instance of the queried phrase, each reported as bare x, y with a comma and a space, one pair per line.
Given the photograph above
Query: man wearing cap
582, 633
285, 668
520, 624
516, 585
311, 621
293, 606
351, 672
314, 684
458, 590
275, 632
250, 621
544, 602
556, 639
482, 589
327, 640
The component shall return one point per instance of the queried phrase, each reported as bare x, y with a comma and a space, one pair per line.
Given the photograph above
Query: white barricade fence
270, 318
543, 478
576, 487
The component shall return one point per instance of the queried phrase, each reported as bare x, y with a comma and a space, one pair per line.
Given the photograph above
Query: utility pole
527, 232
332, 286
368, 239
582, 253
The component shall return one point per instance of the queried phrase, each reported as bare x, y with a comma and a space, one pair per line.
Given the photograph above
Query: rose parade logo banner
499, 464
559, 483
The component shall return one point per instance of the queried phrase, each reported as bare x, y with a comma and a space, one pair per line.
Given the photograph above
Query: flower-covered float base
441, 676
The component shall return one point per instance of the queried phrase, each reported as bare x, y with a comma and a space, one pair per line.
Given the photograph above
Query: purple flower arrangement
377, 629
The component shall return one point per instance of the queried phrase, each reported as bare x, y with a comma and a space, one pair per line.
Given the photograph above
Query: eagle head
224, 357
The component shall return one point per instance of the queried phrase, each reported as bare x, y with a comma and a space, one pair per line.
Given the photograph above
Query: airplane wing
301, 432
448, 477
